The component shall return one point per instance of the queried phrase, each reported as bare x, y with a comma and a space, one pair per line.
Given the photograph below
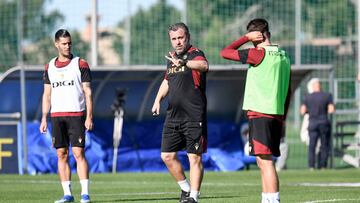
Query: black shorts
66, 130
189, 136
264, 136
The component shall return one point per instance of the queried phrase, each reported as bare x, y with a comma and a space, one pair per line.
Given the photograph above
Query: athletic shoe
85, 199
183, 196
66, 198
190, 200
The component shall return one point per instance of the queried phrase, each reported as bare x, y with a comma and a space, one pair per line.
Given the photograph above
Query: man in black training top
185, 125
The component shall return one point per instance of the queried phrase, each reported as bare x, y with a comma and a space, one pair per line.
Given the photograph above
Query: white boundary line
133, 194
94, 182
328, 184
331, 200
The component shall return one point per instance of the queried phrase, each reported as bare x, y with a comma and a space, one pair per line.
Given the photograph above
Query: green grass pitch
242, 186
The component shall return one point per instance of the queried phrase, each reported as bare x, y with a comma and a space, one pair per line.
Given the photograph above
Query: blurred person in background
185, 125
244, 132
266, 99
318, 105
280, 163
67, 94
304, 132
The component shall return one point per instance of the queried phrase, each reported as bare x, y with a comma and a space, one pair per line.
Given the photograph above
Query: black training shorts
264, 136
68, 129
189, 136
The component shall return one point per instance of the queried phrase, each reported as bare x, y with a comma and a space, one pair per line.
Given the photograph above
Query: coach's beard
183, 50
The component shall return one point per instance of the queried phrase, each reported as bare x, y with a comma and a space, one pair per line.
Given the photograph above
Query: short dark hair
61, 33
181, 25
258, 24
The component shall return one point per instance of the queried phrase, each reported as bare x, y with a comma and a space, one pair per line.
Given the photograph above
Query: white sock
184, 185
195, 195
66, 185
84, 186
274, 197
263, 197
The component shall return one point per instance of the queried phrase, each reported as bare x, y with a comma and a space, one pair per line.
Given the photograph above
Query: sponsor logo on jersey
175, 69
63, 83
276, 53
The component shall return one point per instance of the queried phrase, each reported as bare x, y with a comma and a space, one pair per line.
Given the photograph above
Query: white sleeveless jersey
66, 89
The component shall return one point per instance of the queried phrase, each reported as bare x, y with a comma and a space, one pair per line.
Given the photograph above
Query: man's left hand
89, 124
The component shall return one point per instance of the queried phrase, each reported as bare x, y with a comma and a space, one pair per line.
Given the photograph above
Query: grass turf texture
243, 186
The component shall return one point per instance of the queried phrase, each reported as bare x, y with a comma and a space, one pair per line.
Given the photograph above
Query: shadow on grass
166, 199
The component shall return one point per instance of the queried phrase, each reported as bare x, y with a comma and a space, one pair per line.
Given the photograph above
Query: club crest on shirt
197, 146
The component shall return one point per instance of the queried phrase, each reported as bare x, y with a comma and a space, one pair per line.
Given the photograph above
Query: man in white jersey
67, 93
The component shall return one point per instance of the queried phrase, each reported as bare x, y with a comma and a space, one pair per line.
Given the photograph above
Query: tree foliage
149, 37
38, 26
216, 23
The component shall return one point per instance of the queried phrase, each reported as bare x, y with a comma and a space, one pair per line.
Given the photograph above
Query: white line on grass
29, 181
134, 194
213, 184
331, 200
329, 184
229, 184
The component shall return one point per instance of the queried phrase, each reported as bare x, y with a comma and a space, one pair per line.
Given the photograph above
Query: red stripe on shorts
260, 148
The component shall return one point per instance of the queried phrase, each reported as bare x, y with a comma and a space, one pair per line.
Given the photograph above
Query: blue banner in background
10, 154
139, 149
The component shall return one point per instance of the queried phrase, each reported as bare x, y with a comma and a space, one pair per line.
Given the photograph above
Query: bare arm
46, 103
331, 108
89, 105
163, 91
200, 65
303, 109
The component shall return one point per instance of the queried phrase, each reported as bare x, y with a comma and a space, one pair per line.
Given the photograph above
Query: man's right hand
43, 127
255, 36
156, 109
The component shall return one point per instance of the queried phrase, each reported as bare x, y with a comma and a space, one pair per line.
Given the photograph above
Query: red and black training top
252, 56
186, 96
